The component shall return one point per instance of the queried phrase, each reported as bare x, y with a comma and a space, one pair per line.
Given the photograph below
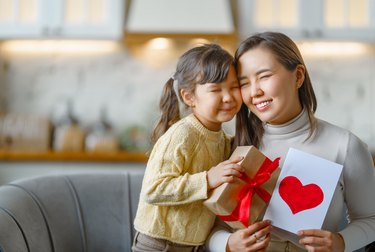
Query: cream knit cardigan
175, 183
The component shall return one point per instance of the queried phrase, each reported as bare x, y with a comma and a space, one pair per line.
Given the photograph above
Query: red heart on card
300, 197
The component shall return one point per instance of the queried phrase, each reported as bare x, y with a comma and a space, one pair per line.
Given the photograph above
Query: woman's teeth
262, 104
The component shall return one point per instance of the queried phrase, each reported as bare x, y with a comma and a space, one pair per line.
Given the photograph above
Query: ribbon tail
242, 211
244, 208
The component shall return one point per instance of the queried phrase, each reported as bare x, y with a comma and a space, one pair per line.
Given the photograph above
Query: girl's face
268, 89
215, 103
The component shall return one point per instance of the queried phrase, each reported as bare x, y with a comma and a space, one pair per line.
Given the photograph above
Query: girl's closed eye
214, 90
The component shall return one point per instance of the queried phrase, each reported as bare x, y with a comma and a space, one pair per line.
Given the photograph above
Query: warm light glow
198, 41
159, 44
157, 52
59, 46
338, 49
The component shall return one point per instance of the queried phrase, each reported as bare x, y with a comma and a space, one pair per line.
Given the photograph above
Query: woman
277, 114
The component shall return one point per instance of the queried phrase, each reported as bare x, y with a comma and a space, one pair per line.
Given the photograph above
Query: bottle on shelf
102, 137
68, 135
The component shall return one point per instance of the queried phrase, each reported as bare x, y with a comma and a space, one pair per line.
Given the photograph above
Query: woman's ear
187, 97
300, 75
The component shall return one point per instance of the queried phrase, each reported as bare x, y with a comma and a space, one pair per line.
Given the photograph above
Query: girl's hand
256, 237
224, 172
321, 240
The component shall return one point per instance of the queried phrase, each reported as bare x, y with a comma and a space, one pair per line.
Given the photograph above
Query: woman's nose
255, 90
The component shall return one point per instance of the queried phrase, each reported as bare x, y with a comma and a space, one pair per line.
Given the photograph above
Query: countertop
120, 156
52, 156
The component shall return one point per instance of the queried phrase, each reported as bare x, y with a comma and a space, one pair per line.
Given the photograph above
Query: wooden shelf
52, 156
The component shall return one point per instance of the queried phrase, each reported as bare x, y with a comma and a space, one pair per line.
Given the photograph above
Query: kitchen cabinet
348, 19
304, 19
94, 19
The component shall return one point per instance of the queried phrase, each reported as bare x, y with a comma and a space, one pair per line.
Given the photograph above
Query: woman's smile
261, 106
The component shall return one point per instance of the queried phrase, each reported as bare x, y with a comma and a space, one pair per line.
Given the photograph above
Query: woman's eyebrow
256, 73
262, 71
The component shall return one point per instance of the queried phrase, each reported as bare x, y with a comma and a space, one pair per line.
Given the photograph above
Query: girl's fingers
236, 159
232, 172
236, 167
227, 179
232, 161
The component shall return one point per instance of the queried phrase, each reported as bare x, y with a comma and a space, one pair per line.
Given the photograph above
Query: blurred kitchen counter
59, 156
51, 156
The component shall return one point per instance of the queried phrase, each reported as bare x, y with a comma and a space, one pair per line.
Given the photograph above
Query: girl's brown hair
249, 128
208, 63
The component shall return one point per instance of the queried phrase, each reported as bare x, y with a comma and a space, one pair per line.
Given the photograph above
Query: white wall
130, 88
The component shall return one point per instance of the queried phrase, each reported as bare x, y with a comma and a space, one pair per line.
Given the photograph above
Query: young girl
188, 157
278, 113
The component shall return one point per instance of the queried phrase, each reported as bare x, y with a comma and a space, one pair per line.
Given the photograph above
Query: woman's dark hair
208, 63
249, 128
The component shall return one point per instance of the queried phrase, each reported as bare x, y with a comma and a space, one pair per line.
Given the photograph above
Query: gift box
242, 202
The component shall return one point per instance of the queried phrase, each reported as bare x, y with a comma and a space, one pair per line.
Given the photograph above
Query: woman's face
268, 89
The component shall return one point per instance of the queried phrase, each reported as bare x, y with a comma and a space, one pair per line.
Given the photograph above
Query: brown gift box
223, 199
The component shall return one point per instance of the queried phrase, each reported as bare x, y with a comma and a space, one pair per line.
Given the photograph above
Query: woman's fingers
257, 226
256, 237
321, 240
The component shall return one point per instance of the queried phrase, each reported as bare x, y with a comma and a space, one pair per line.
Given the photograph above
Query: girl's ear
187, 97
300, 75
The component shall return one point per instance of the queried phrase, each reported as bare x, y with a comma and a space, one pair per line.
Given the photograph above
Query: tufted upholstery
70, 212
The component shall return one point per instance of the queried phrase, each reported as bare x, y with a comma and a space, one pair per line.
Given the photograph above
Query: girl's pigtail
170, 112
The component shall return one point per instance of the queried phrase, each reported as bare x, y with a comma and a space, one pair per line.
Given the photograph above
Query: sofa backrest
86, 211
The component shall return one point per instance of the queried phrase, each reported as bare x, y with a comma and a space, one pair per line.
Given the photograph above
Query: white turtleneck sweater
355, 189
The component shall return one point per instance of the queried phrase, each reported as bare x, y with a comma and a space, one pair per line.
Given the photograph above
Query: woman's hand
224, 172
321, 240
256, 237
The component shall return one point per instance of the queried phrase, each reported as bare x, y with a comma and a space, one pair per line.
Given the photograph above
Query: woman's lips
261, 106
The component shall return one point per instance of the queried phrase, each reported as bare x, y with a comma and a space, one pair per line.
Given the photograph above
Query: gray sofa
70, 212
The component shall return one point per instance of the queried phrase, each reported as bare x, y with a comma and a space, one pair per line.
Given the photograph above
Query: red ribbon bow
242, 211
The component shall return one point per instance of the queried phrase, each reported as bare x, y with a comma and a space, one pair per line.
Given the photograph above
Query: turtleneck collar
296, 126
209, 134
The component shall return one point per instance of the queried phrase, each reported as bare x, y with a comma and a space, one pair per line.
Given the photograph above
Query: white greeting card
303, 192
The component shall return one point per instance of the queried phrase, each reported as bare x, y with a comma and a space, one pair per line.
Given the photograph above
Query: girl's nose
227, 96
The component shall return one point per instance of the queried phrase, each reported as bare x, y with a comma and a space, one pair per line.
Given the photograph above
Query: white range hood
180, 16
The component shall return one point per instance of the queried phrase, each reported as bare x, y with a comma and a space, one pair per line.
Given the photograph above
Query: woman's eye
242, 84
265, 77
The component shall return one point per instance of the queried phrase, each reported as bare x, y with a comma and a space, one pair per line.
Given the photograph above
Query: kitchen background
80, 80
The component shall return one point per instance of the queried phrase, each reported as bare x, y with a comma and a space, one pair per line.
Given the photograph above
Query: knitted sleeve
359, 179
171, 176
